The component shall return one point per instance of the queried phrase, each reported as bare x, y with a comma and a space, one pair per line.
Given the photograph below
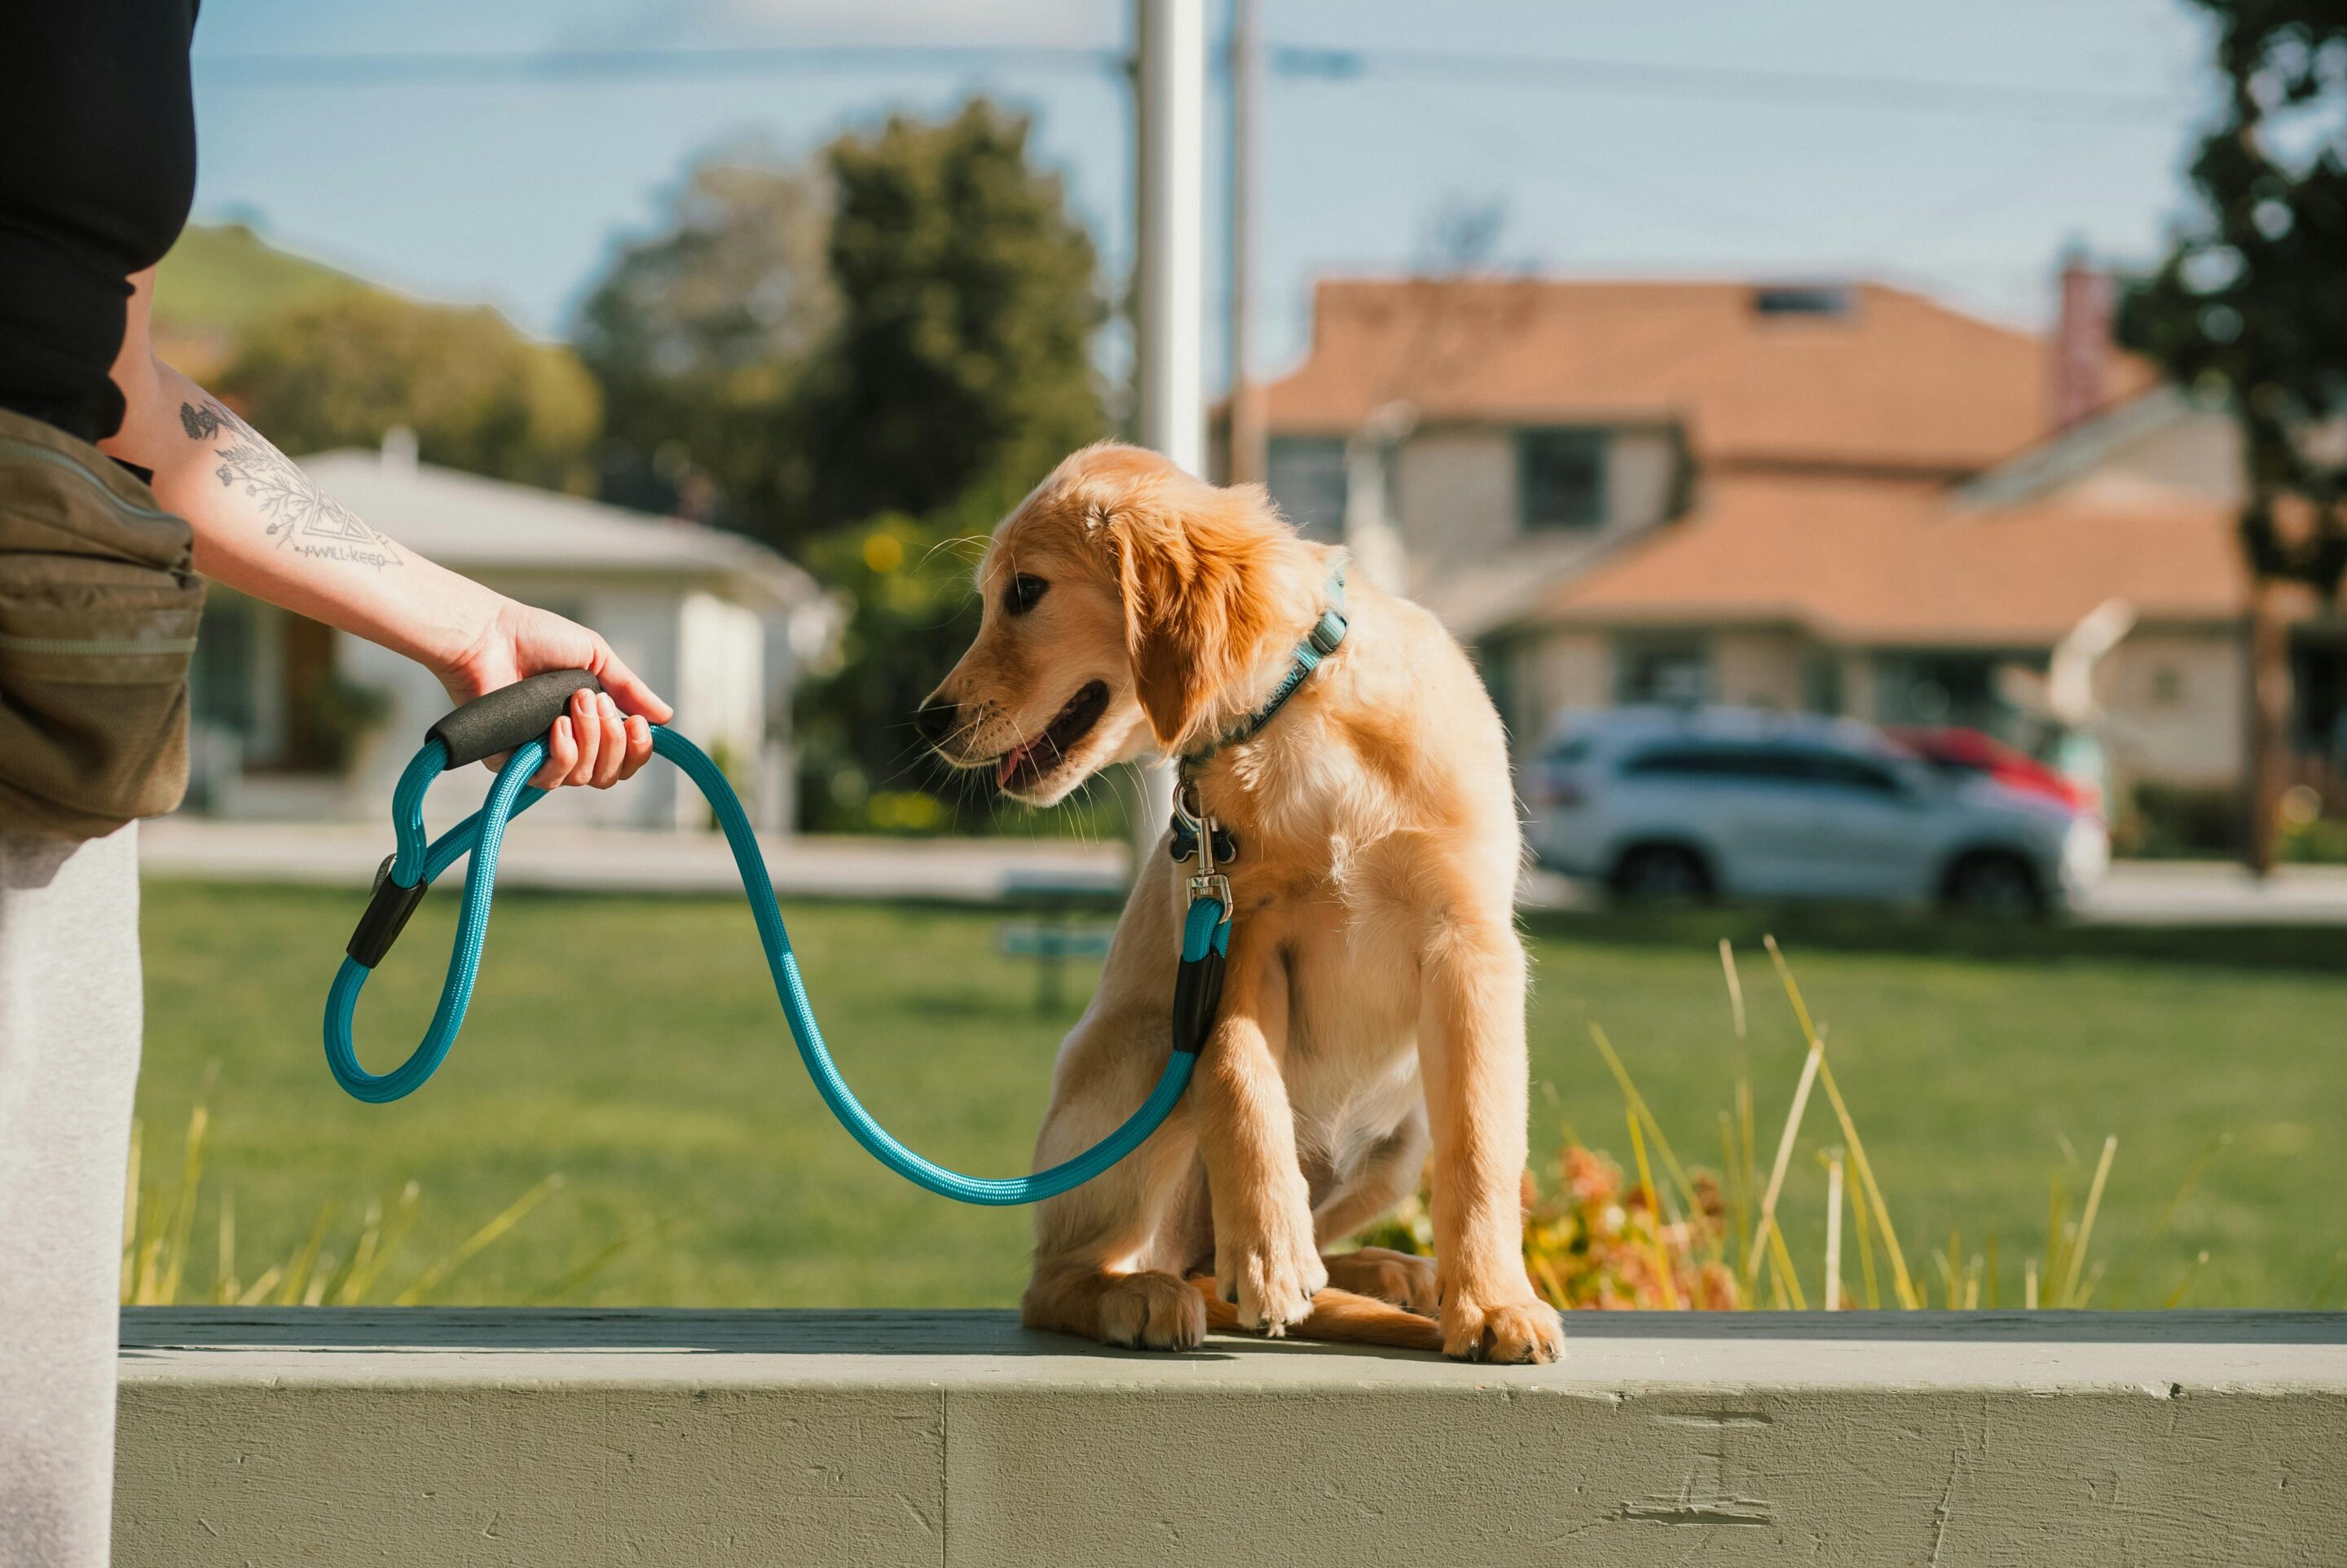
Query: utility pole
1249, 438
1170, 259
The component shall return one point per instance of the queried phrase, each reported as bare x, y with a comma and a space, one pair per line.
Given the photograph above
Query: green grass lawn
634, 1046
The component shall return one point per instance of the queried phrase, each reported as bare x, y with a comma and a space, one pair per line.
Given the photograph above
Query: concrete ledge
581, 1438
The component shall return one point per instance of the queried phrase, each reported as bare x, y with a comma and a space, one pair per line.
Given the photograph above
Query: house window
1560, 479
1306, 479
1950, 688
1822, 690
1673, 670
1801, 300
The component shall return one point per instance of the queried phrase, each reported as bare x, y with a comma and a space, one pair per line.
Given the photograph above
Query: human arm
265, 528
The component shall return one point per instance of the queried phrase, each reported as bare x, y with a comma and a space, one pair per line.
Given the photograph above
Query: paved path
977, 870
984, 870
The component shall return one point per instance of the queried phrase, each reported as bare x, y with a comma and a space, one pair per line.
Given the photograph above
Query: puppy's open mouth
1030, 764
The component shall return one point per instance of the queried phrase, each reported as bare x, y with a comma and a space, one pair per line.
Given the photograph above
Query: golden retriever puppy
1374, 998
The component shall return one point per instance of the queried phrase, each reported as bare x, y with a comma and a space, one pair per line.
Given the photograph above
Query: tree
961, 362
344, 371
2249, 305
697, 333
957, 374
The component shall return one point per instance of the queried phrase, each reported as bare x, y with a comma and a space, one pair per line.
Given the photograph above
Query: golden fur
1374, 1005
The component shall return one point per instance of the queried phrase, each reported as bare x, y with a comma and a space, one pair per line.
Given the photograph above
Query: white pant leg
70, 1010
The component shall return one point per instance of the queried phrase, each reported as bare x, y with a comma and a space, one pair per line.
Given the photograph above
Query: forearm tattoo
300, 513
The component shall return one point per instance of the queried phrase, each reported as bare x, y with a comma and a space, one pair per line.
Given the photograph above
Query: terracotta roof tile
1877, 564
1896, 381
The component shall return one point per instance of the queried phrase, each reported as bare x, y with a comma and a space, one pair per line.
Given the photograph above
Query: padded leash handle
506, 717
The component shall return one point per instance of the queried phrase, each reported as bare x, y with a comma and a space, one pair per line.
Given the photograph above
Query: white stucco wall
1759, 669
2178, 703
1550, 673
2201, 453
1456, 490
720, 693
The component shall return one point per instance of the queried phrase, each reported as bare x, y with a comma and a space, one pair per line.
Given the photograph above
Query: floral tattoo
300, 513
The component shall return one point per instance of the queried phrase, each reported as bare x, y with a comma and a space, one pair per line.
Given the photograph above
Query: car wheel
1995, 887
1662, 875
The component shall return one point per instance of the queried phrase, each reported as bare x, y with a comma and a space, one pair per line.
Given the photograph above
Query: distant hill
220, 279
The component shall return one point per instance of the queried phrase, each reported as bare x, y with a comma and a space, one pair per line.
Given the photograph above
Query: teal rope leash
399, 887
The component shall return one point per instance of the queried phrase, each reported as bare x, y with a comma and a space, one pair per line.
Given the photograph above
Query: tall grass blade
1868, 1188
562, 1289
1781, 1260
1653, 1215
1735, 986
1866, 1255
129, 1289
1833, 1234
363, 1274
1739, 1200
224, 1281
2070, 1297
297, 1273
259, 1290
1900, 1284
1639, 1111
437, 1274
2329, 1280
191, 1172
1785, 1144
2125, 1283
2176, 1296
2057, 1226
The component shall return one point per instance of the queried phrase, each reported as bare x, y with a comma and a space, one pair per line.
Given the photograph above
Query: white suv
1677, 805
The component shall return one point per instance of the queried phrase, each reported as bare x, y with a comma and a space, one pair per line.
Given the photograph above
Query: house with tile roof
1844, 499
294, 721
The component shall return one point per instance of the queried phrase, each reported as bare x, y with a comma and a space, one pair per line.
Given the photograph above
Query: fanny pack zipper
13, 448
97, 647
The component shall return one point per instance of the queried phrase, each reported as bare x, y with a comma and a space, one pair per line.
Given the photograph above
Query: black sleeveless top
100, 130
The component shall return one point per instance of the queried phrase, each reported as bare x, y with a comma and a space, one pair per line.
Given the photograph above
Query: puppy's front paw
1398, 1278
1273, 1279
1152, 1312
1511, 1332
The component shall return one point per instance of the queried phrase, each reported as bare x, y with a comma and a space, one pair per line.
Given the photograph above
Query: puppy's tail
1338, 1316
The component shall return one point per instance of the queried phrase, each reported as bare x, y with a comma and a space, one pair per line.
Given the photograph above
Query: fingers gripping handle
507, 716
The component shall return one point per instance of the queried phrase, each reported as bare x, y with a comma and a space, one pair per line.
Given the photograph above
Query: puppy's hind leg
1388, 1175
1108, 1254
1338, 1317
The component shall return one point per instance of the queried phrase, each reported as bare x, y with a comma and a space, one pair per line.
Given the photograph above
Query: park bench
1058, 901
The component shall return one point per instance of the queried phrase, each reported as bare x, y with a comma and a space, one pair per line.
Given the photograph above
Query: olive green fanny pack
98, 606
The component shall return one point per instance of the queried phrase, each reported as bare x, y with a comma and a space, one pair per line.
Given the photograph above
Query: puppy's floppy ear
1189, 560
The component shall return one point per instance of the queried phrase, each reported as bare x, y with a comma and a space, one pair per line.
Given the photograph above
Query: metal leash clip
1197, 828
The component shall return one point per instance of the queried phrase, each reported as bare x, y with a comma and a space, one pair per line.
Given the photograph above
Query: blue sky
513, 192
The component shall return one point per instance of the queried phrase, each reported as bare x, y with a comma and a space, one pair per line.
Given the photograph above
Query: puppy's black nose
935, 720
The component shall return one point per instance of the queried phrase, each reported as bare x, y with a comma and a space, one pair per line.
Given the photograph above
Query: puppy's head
1123, 602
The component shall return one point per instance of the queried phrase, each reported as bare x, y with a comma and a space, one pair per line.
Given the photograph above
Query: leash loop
416, 861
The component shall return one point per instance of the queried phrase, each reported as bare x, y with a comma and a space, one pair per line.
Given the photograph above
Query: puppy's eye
1023, 594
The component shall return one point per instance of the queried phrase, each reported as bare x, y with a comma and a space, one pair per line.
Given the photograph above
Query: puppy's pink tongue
1009, 766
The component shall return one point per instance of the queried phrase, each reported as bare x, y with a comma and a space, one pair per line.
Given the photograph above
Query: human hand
606, 737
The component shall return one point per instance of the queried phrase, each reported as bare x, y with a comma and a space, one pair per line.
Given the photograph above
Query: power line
455, 67
1295, 62
1644, 79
